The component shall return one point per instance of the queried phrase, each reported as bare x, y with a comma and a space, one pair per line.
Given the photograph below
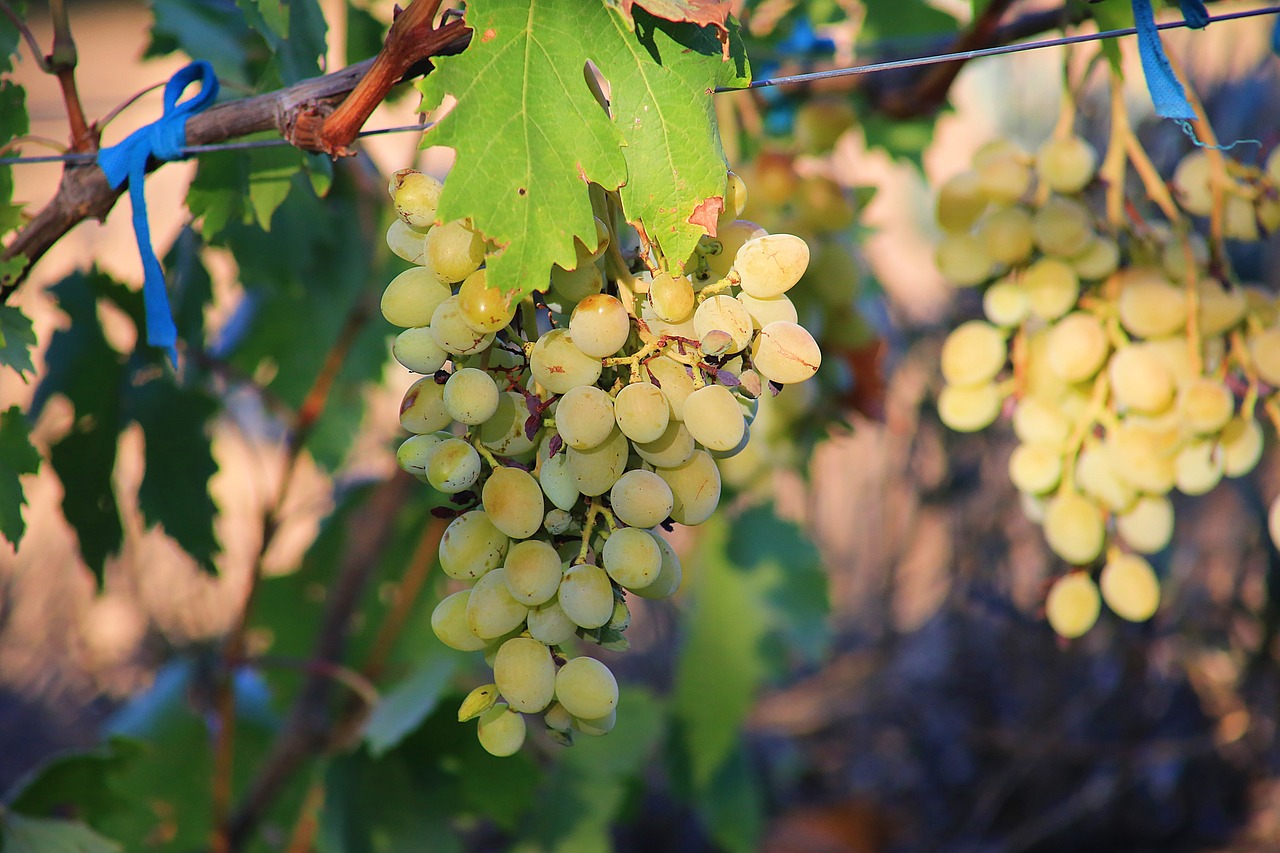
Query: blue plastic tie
1167, 93
162, 140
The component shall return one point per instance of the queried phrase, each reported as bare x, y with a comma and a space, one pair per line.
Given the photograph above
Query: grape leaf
701, 12
17, 457
529, 132
273, 14
403, 708
21, 834
17, 337
892, 18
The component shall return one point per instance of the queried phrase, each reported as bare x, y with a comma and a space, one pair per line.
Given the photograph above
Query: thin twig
21, 26
124, 105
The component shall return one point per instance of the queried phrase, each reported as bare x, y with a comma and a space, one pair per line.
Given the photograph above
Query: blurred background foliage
856, 662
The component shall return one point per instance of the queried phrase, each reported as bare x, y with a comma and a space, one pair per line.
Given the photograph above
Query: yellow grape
1077, 347
1241, 446
724, 247
1062, 227
406, 243
548, 623
558, 365
765, 311
1220, 309
586, 688
525, 674
1004, 180
415, 196
632, 557
452, 332
1066, 164
963, 260
674, 447
471, 396
1149, 305
1035, 468
597, 727
961, 202
472, 546
585, 417
671, 297
1148, 525
1098, 260
532, 571
1205, 405
642, 411
1052, 288
1140, 381
1005, 304
1143, 456
412, 297
641, 499
695, 488
1130, 587
785, 353
714, 418
770, 265
1096, 477
1006, 235
504, 433
449, 622
1198, 467
735, 195
600, 325
669, 576
454, 466
596, 469
454, 250
418, 351
491, 610
726, 314
571, 286
1036, 421
423, 410
1239, 218
586, 596
485, 309
512, 499
1074, 528
973, 353
1191, 179
1073, 605
415, 451
1264, 349
501, 731
969, 408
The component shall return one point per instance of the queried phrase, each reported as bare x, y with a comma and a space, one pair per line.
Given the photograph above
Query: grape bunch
1128, 368
569, 428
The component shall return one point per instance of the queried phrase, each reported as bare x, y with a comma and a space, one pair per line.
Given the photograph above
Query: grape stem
1097, 407
733, 279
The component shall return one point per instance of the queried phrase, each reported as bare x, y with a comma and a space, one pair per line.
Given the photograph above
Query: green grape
1239, 219
1148, 525
472, 546
1273, 514
556, 478
1006, 304
558, 365
548, 623
1187, 253
642, 411
729, 238
1241, 446
596, 469
422, 410
671, 297
669, 576
1176, 353
1264, 349
963, 260
471, 396
1035, 468
662, 329
454, 250
969, 408
416, 197
1143, 456
412, 297
600, 325
974, 352
452, 332
714, 418
558, 721
1205, 405
1077, 347
1074, 528
1036, 421
449, 623
406, 243
1052, 288
632, 557
586, 688
1191, 180
578, 283
1004, 180
585, 417
765, 311
415, 451
1130, 587
1220, 309
1140, 381
586, 595
674, 447
525, 674
597, 727
418, 351
725, 314
695, 488
785, 353
1062, 227
674, 380
1066, 164
1149, 305
641, 499
1198, 467
454, 466
501, 731
533, 572
821, 121
492, 611
504, 433
1096, 477
1073, 605
961, 203
1006, 235
485, 309
512, 499
771, 265
1098, 260
1262, 308
735, 196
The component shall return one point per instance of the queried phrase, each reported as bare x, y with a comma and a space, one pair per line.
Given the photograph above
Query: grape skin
1074, 528
713, 418
412, 297
632, 558
525, 674
586, 688
771, 265
586, 595
786, 353
501, 731
512, 499
491, 610
1130, 587
641, 498
642, 412
600, 325
1073, 605
533, 571
973, 353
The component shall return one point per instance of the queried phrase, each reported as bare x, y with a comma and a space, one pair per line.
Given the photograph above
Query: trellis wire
891, 65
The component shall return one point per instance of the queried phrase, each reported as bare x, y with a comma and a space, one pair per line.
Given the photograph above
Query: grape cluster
1128, 368
568, 428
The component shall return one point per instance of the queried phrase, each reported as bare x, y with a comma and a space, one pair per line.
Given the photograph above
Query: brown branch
63, 59
84, 193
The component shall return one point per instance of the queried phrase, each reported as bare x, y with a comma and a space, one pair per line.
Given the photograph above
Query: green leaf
211, 31
588, 786
85, 785
17, 457
365, 33
894, 18
403, 708
1112, 16
271, 172
904, 138
20, 834
179, 464
17, 337
733, 805
217, 192
274, 14
529, 132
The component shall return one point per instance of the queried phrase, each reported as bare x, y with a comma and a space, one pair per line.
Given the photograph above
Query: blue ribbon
1167, 93
162, 140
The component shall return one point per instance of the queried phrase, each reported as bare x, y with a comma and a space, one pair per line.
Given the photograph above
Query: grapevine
569, 428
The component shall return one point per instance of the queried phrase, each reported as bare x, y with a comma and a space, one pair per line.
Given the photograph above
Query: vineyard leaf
701, 12
17, 337
271, 172
17, 457
530, 134
273, 14
179, 463
21, 834
402, 709
894, 18
84, 785
218, 191
212, 31
1112, 16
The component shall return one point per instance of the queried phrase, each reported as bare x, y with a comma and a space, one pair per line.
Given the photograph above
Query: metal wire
788, 80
